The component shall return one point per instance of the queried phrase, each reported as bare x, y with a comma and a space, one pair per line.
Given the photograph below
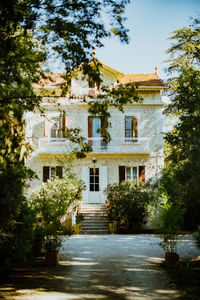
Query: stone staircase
95, 219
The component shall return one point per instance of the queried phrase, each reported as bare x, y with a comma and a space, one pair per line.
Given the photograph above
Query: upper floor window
95, 127
58, 127
131, 128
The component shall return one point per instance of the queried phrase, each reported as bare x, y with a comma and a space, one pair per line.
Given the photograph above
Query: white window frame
58, 131
137, 168
94, 183
51, 176
138, 132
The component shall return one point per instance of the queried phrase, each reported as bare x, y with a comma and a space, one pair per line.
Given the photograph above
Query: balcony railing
116, 145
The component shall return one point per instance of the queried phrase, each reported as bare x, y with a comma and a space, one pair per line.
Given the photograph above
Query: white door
96, 181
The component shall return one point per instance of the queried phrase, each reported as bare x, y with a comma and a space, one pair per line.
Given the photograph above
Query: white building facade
136, 147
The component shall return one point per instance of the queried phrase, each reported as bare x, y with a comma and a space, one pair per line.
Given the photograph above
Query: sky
150, 24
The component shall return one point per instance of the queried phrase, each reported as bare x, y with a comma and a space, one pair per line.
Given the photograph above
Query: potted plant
113, 227
52, 203
52, 245
38, 240
78, 225
168, 221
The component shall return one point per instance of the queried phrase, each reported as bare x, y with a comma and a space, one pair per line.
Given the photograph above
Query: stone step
95, 219
95, 232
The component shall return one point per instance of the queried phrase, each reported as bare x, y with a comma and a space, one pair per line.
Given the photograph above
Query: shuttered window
51, 172
96, 129
131, 129
131, 173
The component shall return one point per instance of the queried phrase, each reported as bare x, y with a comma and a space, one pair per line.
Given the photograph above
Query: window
130, 173
51, 172
131, 130
94, 179
95, 127
58, 127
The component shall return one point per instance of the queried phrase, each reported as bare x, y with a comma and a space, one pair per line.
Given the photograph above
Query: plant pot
112, 228
52, 258
37, 248
172, 258
77, 228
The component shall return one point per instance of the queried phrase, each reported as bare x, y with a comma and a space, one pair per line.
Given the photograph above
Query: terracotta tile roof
148, 79
51, 80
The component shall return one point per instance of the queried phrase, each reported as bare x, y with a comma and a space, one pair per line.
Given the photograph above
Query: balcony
116, 145
120, 145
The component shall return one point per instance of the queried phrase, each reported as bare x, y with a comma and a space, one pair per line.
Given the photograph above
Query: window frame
131, 139
131, 167
95, 184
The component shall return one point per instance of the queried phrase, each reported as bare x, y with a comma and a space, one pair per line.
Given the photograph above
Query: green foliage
31, 32
128, 203
52, 202
17, 235
197, 236
181, 175
79, 218
114, 96
168, 220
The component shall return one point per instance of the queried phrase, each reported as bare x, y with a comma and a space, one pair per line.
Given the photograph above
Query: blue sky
150, 23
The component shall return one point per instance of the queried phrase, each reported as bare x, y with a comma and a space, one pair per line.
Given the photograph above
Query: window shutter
45, 127
141, 173
45, 174
59, 171
89, 126
135, 127
63, 124
121, 173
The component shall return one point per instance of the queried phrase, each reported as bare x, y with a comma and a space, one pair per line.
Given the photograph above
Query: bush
52, 202
197, 236
127, 203
168, 219
16, 247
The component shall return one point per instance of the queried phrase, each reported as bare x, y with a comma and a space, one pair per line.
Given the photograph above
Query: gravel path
105, 267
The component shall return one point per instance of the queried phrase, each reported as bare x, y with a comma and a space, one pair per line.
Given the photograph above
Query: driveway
103, 267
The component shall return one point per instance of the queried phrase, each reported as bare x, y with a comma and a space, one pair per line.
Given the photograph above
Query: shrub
168, 220
197, 236
52, 202
128, 203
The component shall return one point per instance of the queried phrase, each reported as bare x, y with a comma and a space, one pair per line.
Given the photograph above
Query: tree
181, 175
30, 32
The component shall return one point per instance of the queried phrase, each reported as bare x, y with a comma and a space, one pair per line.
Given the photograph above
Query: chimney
156, 69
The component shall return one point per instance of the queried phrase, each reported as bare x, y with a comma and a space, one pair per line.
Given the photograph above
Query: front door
95, 179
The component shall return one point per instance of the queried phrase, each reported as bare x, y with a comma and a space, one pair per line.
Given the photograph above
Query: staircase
95, 219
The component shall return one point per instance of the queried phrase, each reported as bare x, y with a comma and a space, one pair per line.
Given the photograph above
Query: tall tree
30, 31
182, 172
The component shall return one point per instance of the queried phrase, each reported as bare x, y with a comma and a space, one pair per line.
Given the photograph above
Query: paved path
103, 267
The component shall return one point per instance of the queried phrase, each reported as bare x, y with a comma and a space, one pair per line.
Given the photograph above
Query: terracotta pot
37, 248
172, 258
52, 258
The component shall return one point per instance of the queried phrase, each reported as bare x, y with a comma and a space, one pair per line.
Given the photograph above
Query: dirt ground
98, 267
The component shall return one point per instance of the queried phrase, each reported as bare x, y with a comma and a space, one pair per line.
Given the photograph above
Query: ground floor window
94, 179
131, 173
51, 172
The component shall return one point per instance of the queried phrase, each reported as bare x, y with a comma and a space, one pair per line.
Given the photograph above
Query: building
136, 147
